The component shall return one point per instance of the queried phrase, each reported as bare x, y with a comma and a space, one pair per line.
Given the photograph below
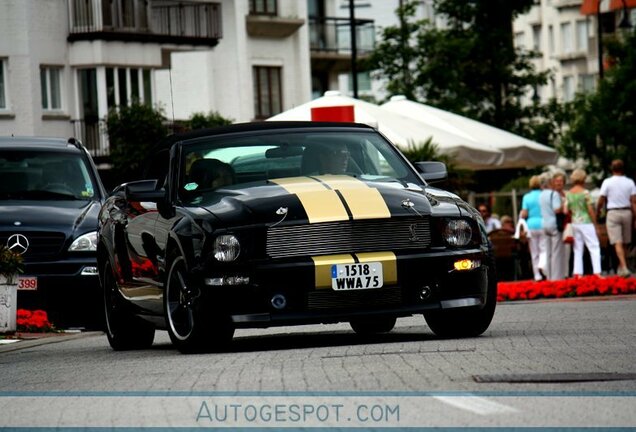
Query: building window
268, 98
50, 79
125, 86
519, 37
550, 39
567, 40
587, 83
581, 36
536, 37
263, 7
4, 103
568, 88
83, 14
364, 81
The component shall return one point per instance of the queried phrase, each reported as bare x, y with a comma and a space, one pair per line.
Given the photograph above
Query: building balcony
154, 21
272, 26
93, 134
330, 42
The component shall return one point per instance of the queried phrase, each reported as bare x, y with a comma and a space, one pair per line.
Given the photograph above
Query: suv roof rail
74, 141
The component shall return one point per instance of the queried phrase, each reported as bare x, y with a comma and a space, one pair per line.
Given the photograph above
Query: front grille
348, 236
360, 299
42, 245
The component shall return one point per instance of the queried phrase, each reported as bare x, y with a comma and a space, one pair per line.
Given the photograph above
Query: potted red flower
11, 265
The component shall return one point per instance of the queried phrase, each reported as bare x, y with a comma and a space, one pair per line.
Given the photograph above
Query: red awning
590, 7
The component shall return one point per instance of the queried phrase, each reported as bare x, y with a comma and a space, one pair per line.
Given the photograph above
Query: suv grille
42, 245
348, 236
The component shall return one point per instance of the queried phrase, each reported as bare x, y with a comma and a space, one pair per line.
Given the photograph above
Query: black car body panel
51, 217
293, 230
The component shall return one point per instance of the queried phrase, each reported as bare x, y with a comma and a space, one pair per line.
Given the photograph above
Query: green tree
459, 181
132, 132
469, 67
212, 119
604, 125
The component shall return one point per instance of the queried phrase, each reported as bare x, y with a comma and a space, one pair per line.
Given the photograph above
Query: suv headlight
85, 243
226, 248
457, 232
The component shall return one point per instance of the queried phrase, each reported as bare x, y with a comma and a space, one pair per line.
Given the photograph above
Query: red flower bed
584, 286
33, 321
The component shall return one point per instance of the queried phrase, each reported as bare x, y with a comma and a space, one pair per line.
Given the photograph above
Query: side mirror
432, 171
144, 190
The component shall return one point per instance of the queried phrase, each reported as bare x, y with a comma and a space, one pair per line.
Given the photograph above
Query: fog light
279, 301
466, 264
425, 293
227, 280
89, 271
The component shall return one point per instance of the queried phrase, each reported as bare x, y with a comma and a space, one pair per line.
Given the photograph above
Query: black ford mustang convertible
282, 223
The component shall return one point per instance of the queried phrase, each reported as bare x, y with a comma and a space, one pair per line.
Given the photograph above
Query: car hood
325, 199
63, 216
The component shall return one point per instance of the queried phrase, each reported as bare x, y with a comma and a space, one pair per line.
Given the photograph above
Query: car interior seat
211, 173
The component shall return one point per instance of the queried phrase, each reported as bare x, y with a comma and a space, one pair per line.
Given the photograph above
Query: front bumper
68, 290
423, 282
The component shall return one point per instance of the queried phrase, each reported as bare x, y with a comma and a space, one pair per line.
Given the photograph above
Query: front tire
124, 330
372, 325
191, 327
463, 322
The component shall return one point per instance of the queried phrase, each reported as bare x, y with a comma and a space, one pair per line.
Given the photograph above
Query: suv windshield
44, 175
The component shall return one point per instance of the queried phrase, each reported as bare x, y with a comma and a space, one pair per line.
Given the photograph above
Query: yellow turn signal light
466, 264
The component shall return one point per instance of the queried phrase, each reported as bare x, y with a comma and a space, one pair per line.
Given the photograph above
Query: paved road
582, 350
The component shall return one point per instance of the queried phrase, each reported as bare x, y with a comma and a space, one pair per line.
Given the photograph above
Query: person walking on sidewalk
578, 204
552, 258
618, 194
531, 212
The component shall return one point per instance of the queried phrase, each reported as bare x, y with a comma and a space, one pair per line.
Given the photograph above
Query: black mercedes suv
50, 196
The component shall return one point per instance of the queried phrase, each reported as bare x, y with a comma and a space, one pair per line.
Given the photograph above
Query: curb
37, 341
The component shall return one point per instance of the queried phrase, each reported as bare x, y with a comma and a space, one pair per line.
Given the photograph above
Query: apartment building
566, 33
65, 63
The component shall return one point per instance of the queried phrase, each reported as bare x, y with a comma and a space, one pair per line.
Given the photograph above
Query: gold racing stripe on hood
389, 264
320, 203
322, 268
363, 202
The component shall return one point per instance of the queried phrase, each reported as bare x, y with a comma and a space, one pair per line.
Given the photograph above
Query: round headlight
457, 232
226, 248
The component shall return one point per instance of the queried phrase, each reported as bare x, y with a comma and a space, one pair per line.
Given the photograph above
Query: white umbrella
404, 131
519, 152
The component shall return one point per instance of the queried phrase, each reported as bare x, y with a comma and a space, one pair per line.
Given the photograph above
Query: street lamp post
599, 41
354, 49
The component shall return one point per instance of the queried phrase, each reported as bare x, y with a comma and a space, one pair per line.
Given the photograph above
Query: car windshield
44, 175
213, 162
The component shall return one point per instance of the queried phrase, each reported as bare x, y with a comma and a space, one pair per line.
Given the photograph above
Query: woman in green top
578, 203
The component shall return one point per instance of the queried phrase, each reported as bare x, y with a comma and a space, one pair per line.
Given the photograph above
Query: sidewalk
21, 340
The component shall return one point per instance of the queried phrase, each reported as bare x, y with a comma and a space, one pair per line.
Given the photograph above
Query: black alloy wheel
191, 327
466, 322
124, 330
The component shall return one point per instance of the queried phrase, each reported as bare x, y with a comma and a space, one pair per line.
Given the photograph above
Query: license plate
28, 283
356, 276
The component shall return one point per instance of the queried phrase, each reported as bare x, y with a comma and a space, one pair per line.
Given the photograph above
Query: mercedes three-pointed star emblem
18, 243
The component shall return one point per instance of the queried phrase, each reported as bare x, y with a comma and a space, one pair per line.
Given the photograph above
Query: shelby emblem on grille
413, 231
